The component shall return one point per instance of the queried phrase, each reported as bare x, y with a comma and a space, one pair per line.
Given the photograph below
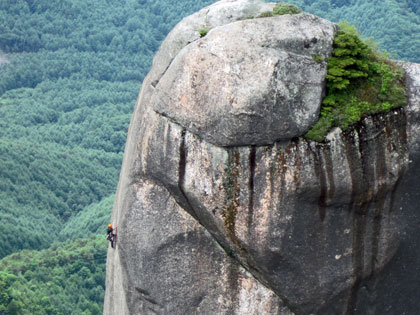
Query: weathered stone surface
310, 221
186, 32
254, 81
293, 227
178, 267
396, 289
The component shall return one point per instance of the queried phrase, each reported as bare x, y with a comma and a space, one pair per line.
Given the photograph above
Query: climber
111, 234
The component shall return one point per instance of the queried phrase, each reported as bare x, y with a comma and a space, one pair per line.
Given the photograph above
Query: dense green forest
71, 71
67, 278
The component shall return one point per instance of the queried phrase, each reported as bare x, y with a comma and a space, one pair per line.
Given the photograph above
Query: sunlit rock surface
254, 81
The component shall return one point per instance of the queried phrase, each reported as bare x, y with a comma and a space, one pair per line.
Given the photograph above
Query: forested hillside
67, 278
67, 91
70, 74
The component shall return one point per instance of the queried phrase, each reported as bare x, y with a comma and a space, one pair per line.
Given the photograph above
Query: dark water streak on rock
252, 154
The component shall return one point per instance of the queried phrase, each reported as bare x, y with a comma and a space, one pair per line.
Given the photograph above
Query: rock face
222, 209
254, 81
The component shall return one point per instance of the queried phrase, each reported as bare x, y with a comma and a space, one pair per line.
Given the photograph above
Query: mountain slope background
67, 91
71, 72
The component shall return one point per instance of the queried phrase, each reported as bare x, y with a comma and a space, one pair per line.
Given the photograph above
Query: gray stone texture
214, 218
396, 290
254, 81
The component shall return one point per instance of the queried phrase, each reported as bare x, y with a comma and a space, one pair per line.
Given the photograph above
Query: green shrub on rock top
266, 14
203, 32
280, 8
286, 8
317, 58
360, 81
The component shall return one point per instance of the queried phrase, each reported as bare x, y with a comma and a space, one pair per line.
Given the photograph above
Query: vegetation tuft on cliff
281, 8
360, 81
286, 8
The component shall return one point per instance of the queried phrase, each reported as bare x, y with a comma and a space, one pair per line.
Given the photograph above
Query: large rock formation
222, 208
253, 81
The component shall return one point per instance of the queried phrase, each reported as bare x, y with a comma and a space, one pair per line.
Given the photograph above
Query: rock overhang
250, 82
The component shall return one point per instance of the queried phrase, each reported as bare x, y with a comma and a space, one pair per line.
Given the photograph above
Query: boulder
254, 81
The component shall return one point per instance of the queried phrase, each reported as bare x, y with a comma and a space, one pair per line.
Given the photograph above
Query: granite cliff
223, 208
